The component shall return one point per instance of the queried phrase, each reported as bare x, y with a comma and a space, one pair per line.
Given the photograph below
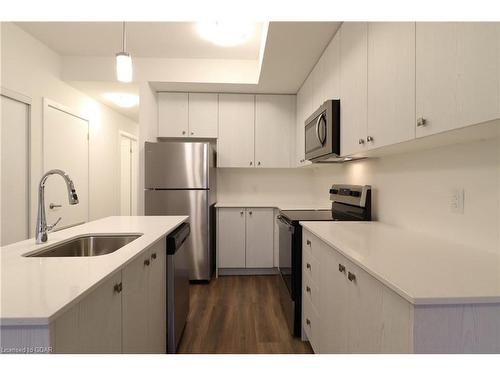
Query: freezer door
177, 165
193, 203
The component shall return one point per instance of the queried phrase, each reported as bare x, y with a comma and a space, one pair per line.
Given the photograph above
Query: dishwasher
177, 285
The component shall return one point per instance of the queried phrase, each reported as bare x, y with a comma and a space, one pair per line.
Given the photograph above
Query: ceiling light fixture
225, 34
123, 62
122, 99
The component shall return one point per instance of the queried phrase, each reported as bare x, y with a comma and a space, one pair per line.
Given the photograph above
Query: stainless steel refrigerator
180, 179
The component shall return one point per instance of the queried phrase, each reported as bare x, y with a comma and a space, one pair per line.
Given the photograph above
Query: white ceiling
144, 39
291, 51
96, 90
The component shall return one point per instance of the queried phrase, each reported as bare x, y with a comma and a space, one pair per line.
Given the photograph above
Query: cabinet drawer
310, 292
312, 243
310, 266
311, 324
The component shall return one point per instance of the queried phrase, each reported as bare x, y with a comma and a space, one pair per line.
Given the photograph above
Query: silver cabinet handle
369, 138
249, 212
192, 133
341, 268
146, 262
351, 276
421, 122
241, 213
183, 132
308, 242
251, 163
153, 256
361, 141
308, 322
308, 290
308, 265
54, 205
258, 163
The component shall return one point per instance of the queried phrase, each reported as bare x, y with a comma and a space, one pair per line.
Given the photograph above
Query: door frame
122, 133
48, 103
24, 99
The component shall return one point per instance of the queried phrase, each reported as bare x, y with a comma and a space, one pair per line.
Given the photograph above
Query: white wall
32, 69
413, 190
256, 185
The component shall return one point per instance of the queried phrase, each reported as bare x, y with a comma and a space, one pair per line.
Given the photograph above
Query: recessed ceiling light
225, 34
122, 99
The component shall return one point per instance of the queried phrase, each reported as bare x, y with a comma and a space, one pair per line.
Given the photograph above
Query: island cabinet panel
157, 299
94, 325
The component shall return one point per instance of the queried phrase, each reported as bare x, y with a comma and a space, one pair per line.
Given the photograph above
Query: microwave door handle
321, 141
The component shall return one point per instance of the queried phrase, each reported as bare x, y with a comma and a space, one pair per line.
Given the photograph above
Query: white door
353, 86
66, 147
128, 176
274, 125
231, 237
15, 171
457, 74
235, 145
173, 114
203, 115
391, 83
259, 238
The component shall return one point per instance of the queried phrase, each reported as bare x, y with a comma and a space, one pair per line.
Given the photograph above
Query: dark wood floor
238, 315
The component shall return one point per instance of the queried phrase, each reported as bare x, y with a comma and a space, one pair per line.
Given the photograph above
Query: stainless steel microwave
322, 133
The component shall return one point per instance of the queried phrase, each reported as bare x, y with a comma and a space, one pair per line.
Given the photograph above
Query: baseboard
247, 271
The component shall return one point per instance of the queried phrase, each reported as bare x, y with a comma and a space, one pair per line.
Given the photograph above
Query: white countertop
422, 269
278, 205
37, 290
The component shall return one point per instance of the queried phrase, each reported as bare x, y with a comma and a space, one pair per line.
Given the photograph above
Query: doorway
128, 174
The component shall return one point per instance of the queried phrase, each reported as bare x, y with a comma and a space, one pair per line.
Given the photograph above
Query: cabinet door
274, 124
353, 86
332, 69
135, 312
333, 302
300, 118
100, 323
391, 83
259, 238
235, 145
157, 303
457, 72
365, 312
172, 114
231, 237
203, 115
318, 83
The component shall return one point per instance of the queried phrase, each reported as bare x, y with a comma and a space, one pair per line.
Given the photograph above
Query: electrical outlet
457, 201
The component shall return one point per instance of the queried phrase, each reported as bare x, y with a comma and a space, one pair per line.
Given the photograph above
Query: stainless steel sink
87, 246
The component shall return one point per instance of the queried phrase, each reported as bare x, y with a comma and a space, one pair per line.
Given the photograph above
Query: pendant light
123, 62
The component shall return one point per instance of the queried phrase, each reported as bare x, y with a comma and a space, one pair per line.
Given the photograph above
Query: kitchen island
374, 287
101, 304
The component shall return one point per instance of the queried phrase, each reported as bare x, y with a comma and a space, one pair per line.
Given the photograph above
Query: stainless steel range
349, 203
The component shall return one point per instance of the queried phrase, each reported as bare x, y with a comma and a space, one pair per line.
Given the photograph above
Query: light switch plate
457, 198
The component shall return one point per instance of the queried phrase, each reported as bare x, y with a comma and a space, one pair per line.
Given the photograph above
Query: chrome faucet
41, 222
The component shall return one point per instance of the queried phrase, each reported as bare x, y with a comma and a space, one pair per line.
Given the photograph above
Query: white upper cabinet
353, 86
203, 115
391, 83
173, 114
274, 130
318, 83
457, 75
331, 69
235, 144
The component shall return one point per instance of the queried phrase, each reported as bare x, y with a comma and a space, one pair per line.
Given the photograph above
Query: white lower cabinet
245, 238
355, 312
125, 314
